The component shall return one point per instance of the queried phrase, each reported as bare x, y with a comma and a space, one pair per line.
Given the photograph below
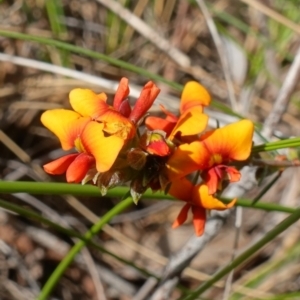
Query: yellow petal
186, 159
231, 142
87, 103
191, 122
65, 124
104, 149
202, 198
193, 94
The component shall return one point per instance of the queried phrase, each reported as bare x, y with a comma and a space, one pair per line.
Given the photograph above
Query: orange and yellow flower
197, 199
212, 152
192, 120
87, 137
118, 119
95, 129
110, 149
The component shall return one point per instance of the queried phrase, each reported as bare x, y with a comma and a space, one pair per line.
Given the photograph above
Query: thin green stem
245, 255
69, 232
261, 205
51, 188
89, 53
24, 212
293, 142
107, 58
59, 271
54, 188
267, 187
268, 269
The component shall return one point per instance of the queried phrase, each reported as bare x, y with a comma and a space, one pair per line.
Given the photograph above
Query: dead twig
169, 101
222, 55
284, 96
184, 256
273, 14
144, 29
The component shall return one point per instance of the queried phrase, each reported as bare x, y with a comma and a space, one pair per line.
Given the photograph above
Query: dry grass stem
273, 14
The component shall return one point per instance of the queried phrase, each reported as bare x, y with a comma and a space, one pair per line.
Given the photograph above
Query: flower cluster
119, 144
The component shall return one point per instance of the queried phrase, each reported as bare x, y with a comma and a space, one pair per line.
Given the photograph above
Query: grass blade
61, 268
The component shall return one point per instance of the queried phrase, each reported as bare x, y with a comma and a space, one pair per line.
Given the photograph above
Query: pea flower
192, 120
111, 150
87, 137
212, 152
119, 119
198, 200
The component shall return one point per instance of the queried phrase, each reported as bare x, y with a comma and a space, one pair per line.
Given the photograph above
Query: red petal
181, 189
155, 123
144, 102
182, 216
79, 167
159, 148
60, 165
166, 124
125, 108
211, 180
234, 174
199, 218
121, 93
